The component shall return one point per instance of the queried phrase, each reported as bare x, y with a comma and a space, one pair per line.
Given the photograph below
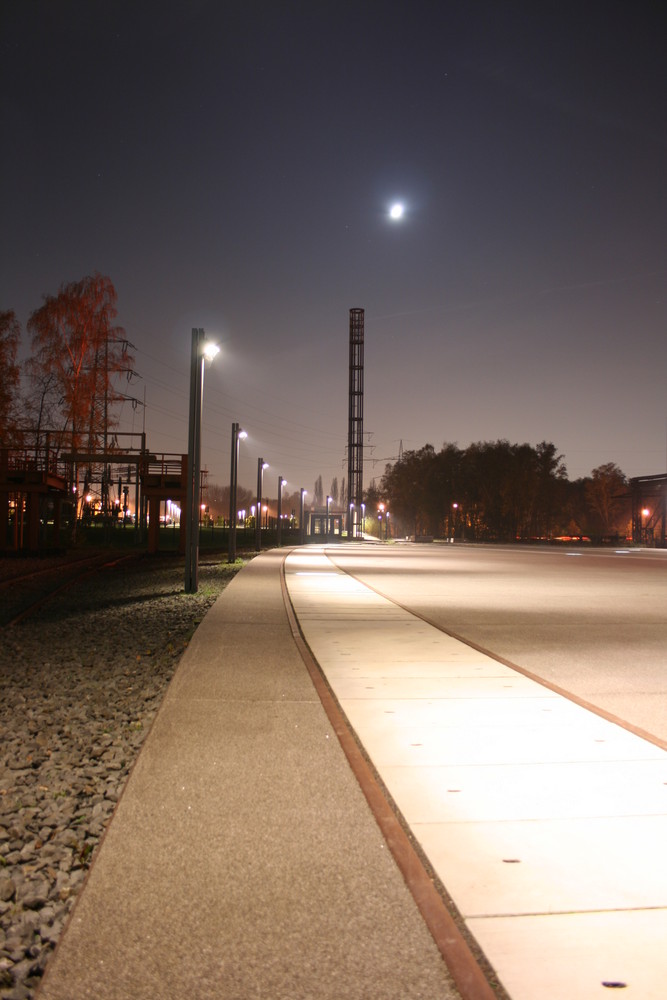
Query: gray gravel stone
80, 688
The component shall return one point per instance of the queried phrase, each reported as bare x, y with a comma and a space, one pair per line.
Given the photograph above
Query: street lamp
281, 482
201, 349
363, 519
455, 508
644, 532
328, 508
237, 435
302, 527
261, 465
380, 520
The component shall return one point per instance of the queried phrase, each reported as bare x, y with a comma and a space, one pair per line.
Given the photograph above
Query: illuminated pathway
545, 822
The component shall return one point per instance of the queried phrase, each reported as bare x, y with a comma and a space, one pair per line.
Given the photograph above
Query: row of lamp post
206, 350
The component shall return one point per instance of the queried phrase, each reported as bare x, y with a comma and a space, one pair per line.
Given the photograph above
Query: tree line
490, 491
501, 492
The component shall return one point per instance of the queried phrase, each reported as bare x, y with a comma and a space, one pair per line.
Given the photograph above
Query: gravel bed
78, 691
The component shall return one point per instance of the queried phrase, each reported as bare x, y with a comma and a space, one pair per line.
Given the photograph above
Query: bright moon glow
396, 211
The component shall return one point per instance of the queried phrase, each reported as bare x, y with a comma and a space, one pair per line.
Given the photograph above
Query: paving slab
545, 823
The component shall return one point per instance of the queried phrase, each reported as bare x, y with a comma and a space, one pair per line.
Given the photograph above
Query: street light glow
210, 349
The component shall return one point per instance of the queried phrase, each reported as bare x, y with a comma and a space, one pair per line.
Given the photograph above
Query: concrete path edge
466, 972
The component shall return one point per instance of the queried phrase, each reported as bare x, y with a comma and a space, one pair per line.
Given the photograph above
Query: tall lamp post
237, 435
201, 349
302, 527
261, 465
328, 509
281, 482
455, 508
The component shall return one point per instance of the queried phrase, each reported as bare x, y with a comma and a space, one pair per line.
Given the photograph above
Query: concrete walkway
546, 823
243, 860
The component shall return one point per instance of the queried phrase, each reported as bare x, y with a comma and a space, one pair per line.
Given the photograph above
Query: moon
396, 211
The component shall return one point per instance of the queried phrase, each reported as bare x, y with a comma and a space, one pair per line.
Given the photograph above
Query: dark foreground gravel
79, 687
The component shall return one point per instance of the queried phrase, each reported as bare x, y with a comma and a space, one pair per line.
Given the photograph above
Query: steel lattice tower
355, 434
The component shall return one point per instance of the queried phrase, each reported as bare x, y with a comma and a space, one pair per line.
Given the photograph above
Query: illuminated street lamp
237, 435
302, 527
328, 508
646, 513
261, 465
363, 519
281, 482
201, 349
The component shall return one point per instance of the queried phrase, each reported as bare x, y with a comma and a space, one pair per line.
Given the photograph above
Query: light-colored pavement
546, 823
591, 621
243, 860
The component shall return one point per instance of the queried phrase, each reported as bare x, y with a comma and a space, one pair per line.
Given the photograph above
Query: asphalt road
591, 621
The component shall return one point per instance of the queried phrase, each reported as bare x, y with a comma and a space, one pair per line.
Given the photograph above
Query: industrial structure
355, 434
45, 491
649, 510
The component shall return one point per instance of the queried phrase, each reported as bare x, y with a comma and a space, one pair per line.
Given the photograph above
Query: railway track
24, 594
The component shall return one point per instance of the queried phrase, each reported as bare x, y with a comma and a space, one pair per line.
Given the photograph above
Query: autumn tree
78, 353
606, 496
10, 335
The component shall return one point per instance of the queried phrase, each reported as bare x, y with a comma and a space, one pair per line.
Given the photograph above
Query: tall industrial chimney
355, 433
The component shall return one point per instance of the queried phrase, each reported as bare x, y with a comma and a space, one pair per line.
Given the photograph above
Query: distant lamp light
238, 434
397, 211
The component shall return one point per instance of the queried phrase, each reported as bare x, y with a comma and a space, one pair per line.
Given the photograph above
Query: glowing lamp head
397, 211
210, 350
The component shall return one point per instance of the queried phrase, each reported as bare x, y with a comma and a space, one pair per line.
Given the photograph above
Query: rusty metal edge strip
468, 976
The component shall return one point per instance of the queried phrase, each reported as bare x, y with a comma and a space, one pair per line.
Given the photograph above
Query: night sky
231, 165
